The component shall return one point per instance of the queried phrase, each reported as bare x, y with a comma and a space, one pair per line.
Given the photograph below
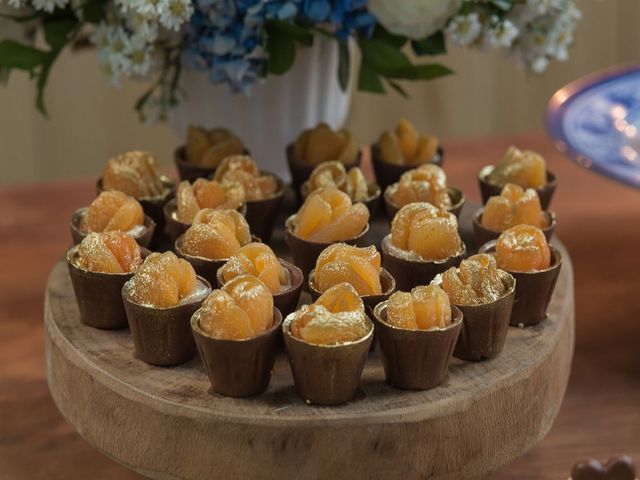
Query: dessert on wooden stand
427, 183
417, 332
402, 149
159, 300
327, 344
204, 150
423, 242
521, 167
514, 206
282, 278
237, 332
99, 267
112, 211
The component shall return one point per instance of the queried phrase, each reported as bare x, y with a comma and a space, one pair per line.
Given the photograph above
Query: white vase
277, 110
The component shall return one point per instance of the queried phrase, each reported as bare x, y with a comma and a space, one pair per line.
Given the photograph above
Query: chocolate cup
533, 289
175, 227
77, 235
488, 190
326, 374
153, 206
190, 171
416, 359
300, 173
456, 195
411, 273
238, 368
388, 173
162, 336
98, 295
305, 253
484, 235
262, 214
287, 300
485, 326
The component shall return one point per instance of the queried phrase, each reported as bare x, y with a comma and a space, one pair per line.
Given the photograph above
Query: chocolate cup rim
286, 330
289, 231
455, 321
371, 186
552, 179
450, 188
476, 218
71, 252
288, 265
461, 254
172, 206
437, 159
556, 256
77, 215
507, 275
383, 272
127, 298
166, 181
195, 327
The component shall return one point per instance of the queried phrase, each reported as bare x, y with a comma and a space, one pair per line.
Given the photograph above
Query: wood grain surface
597, 220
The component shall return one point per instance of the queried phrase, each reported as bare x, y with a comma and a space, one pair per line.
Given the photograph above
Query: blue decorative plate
595, 121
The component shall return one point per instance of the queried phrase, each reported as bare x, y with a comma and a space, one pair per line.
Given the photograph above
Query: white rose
415, 19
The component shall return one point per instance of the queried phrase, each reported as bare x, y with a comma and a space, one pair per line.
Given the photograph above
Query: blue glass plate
595, 121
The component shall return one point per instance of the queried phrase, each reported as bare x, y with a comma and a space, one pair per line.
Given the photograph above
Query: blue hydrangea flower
345, 16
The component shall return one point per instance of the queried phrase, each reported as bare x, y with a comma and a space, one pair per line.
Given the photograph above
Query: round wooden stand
165, 424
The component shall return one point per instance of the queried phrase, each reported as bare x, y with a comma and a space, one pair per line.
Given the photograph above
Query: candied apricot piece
231, 219
322, 144
359, 267
328, 174
220, 317
254, 298
109, 252
390, 150
514, 206
198, 143
244, 171
134, 173
425, 308
342, 251
427, 147
113, 211
476, 281
341, 298
408, 138
524, 168
217, 152
259, 260
400, 312
405, 146
187, 203
347, 226
427, 183
213, 240
523, 248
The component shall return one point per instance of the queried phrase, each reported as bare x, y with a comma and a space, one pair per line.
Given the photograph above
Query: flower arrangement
241, 42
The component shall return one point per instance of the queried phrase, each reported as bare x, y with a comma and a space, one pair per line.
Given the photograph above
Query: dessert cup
326, 374
416, 359
484, 234
388, 173
238, 368
409, 273
456, 195
488, 190
190, 171
142, 237
533, 289
262, 214
162, 336
372, 202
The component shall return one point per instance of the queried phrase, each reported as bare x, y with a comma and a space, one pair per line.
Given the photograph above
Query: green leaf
421, 72
299, 33
281, 49
383, 57
369, 80
57, 31
22, 57
344, 65
382, 34
433, 45
93, 11
398, 88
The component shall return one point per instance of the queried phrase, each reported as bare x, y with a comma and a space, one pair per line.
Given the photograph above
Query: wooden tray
164, 423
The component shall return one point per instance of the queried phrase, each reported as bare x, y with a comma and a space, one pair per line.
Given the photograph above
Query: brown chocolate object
484, 235
372, 202
488, 190
162, 336
239, 368
533, 289
305, 253
153, 206
411, 273
301, 172
616, 468
388, 173
485, 326
326, 374
262, 214
455, 194
287, 300
175, 227
190, 171
416, 359
143, 239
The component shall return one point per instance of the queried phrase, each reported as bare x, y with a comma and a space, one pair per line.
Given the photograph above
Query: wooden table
599, 221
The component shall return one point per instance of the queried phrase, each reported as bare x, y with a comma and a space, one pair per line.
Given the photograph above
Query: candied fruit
134, 173
336, 317
206, 194
523, 248
109, 252
427, 183
244, 171
342, 263
406, 146
328, 215
112, 211
333, 174
524, 168
231, 219
426, 231
425, 308
322, 144
209, 148
514, 206
257, 259
476, 281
